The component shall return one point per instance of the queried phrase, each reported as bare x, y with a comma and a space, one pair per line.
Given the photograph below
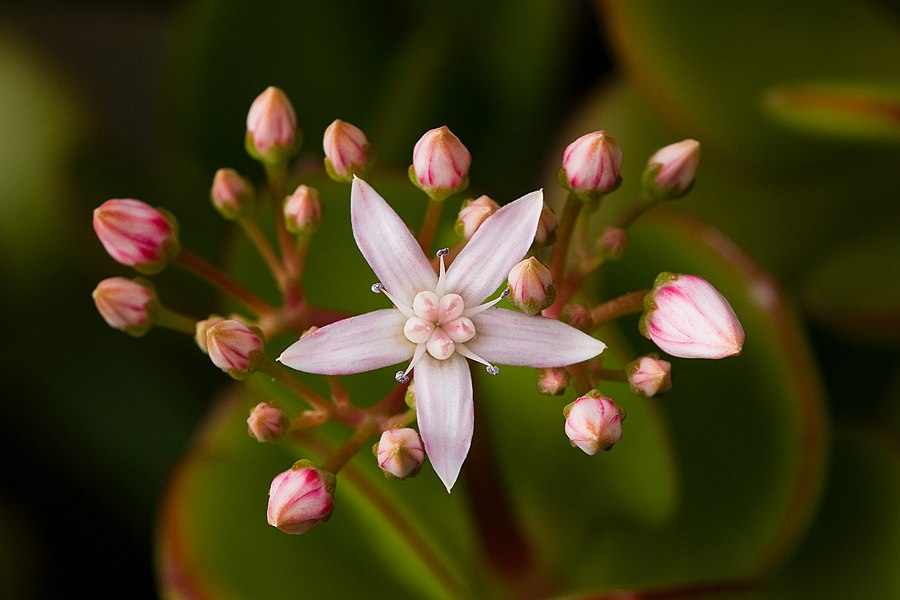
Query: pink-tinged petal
387, 245
500, 242
354, 345
511, 338
445, 413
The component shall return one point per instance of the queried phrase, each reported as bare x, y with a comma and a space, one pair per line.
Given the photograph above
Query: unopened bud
472, 214
347, 151
127, 305
272, 134
546, 229
649, 375
670, 171
531, 286
136, 234
400, 453
235, 347
552, 381
302, 210
440, 163
267, 422
578, 316
593, 422
686, 316
231, 194
300, 498
612, 243
591, 165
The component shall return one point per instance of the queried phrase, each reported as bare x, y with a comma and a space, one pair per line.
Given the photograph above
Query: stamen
403, 376
379, 288
483, 307
439, 288
493, 370
462, 349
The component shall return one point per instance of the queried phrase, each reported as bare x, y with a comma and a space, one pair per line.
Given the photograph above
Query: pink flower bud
546, 229
440, 163
347, 151
302, 210
235, 347
531, 286
612, 243
272, 134
670, 172
267, 422
125, 304
649, 375
591, 164
231, 194
300, 498
553, 381
137, 235
400, 453
472, 215
685, 316
593, 422
578, 316
200, 331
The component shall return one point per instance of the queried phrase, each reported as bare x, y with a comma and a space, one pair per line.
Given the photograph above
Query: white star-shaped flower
440, 320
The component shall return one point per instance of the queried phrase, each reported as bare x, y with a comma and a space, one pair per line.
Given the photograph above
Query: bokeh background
798, 112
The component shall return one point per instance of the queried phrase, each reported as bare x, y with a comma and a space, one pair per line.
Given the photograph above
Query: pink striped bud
267, 422
440, 163
302, 210
137, 235
686, 316
591, 164
649, 375
531, 286
347, 151
552, 382
546, 229
272, 134
670, 171
235, 347
231, 194
593, 422
300, 498
127, 305
400, 453
472, 214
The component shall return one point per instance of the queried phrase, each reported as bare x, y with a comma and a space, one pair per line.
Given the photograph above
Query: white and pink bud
300, 498
552, 382
546, 229
440, 163
612, 243
472, 214
671, 170
267, 422
531, 286
128, 305
136, 234
272, 134
593, 422
302, 210
649, 375
231, 194
687, 317
591, 165
235, 347
347, 151
400, 453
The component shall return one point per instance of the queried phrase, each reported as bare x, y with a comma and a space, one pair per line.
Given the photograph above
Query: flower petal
500, 242
445, 413
362, 343
387, 244
511, 338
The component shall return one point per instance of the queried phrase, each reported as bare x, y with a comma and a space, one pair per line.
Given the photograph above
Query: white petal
445, 413
500, 242
507, 337
387, 244
354, 345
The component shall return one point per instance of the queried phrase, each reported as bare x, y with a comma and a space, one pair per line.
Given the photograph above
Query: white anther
492, 369
401, 377
377, 287
443, 252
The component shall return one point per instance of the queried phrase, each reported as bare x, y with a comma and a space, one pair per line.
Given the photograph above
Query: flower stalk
222, 282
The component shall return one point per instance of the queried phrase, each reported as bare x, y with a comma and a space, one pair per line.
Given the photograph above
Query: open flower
438, 321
